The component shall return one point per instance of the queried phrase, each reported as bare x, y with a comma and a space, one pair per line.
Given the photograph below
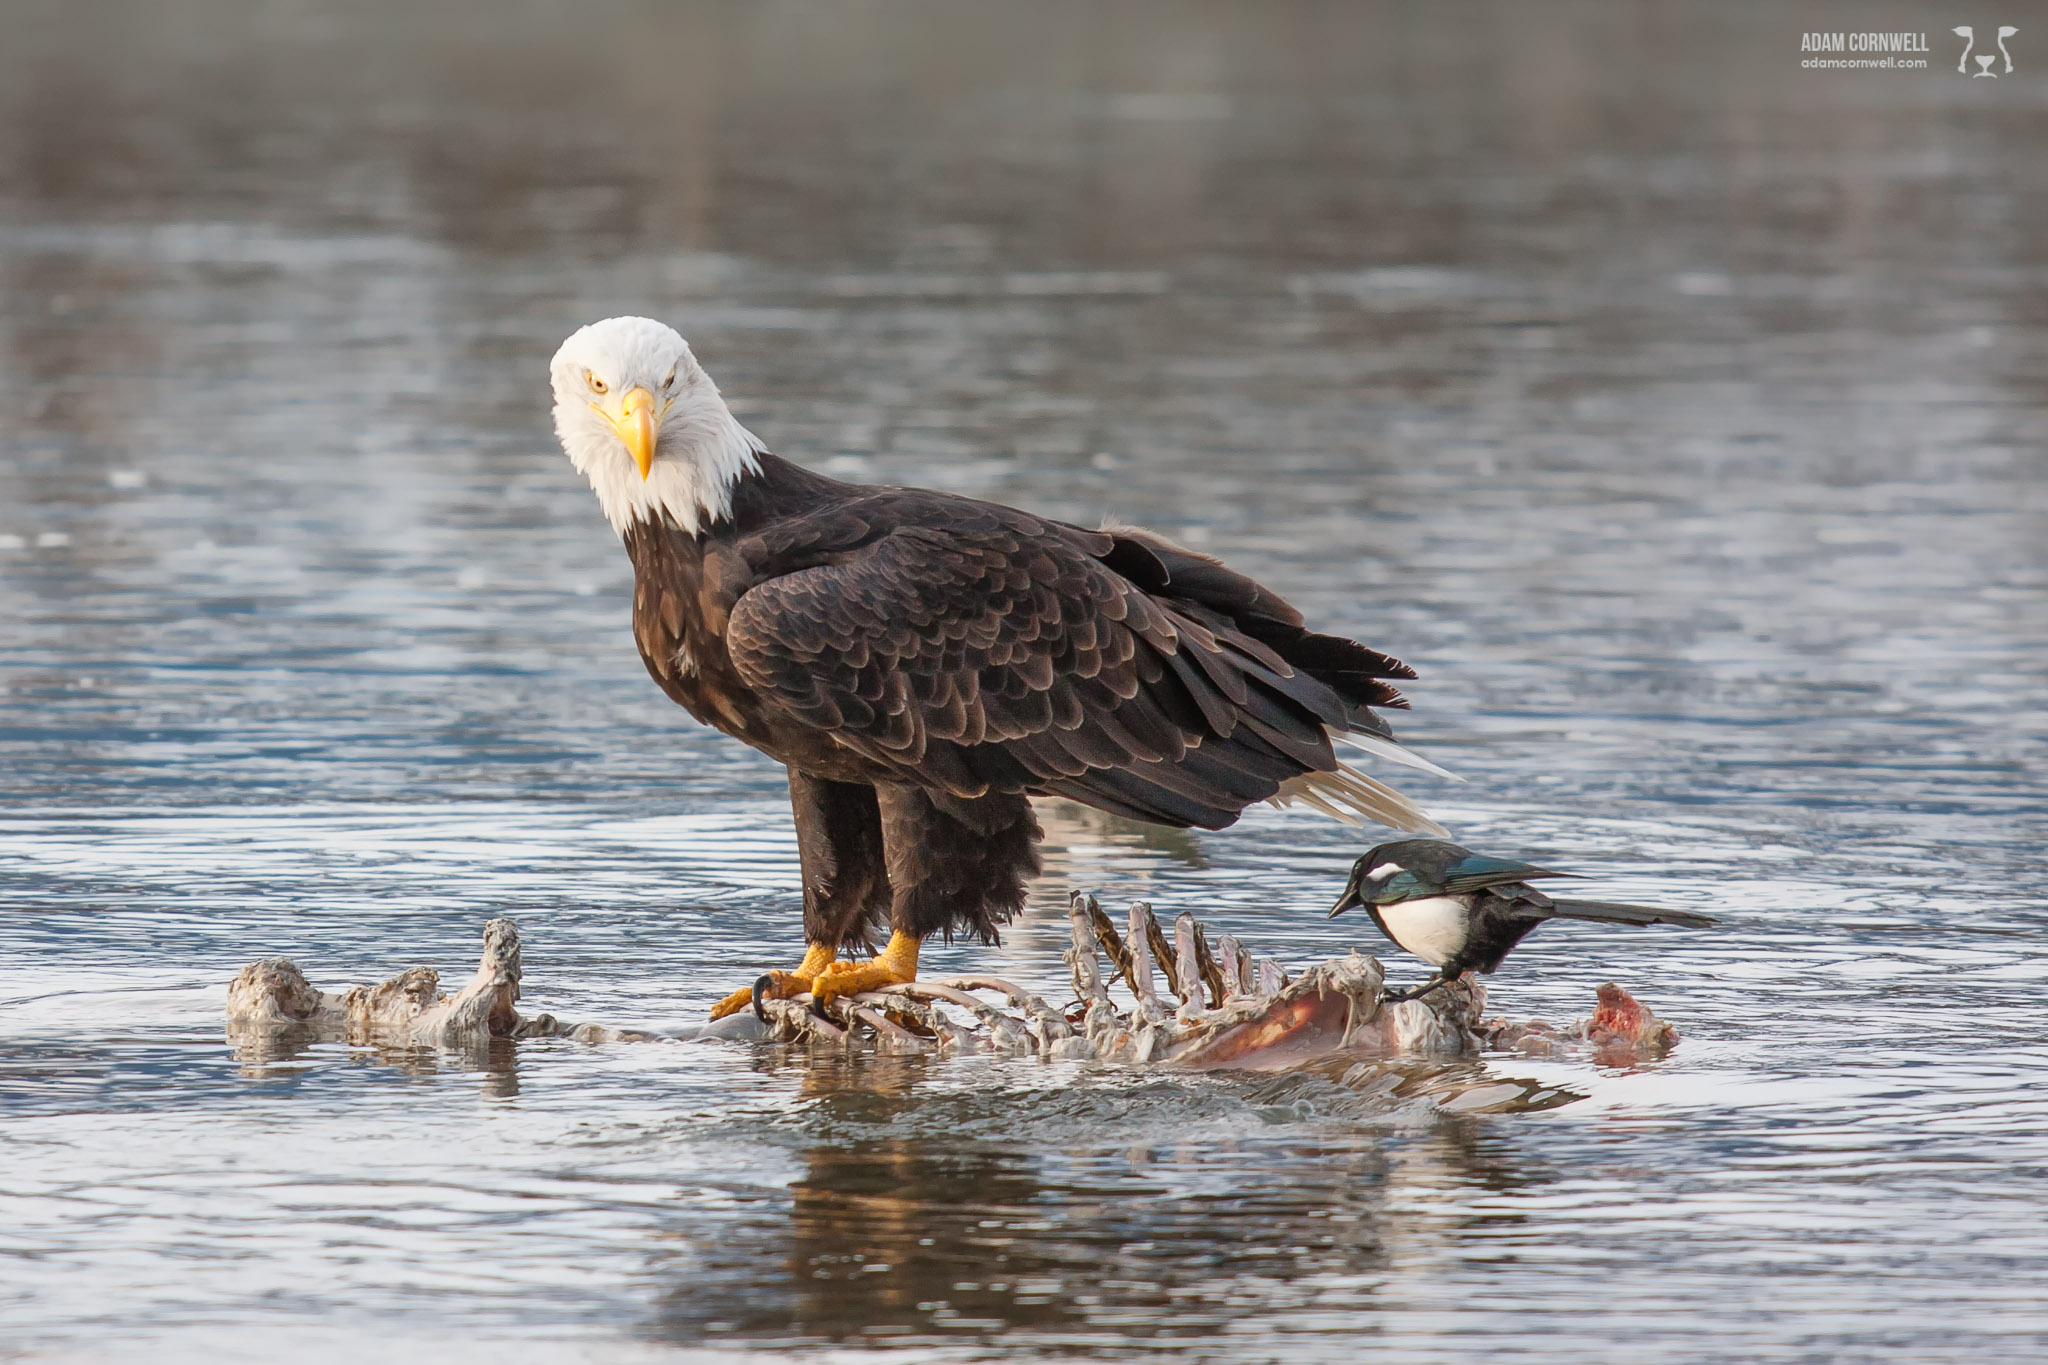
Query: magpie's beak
1349, 899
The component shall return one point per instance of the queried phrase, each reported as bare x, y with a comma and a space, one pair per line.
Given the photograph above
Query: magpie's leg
1414, 992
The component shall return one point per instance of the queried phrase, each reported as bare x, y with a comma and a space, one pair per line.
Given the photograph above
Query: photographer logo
1984, 59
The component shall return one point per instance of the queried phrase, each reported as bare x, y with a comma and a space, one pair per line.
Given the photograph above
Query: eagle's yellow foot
779, 985
893, 966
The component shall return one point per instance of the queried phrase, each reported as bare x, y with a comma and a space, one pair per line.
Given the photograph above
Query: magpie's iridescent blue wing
1403, 886
1476, 872
1472, 872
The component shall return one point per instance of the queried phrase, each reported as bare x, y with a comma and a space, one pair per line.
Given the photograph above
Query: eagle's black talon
764, 982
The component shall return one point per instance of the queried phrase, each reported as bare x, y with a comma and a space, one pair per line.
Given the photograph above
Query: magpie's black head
1428, 859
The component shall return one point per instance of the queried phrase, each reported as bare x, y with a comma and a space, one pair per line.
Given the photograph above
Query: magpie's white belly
1433, 929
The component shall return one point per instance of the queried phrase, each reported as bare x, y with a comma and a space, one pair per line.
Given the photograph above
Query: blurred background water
1678, 412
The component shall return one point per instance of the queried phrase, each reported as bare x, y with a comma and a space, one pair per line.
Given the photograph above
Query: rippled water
1677, 412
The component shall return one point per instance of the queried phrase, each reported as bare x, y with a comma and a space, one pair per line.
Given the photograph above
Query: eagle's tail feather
1346, 794
1391, 751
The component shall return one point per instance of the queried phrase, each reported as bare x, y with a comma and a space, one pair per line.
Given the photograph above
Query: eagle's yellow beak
637, 425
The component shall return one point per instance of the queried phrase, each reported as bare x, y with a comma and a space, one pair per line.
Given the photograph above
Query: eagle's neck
685, 585
767, 489
690, 485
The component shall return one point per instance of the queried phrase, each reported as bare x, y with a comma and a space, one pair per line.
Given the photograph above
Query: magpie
1462, 911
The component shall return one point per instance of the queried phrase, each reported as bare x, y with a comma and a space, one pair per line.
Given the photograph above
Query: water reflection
269, 1051
899, 1230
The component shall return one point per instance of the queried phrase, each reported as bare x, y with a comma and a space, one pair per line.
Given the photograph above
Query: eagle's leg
954, 865
893, 966
846, 883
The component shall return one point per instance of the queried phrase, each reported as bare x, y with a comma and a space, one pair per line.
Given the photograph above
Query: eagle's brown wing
974, 648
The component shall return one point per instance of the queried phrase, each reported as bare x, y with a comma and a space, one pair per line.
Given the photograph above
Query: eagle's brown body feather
923, 663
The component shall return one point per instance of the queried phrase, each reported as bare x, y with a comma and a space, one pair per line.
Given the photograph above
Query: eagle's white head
641, 420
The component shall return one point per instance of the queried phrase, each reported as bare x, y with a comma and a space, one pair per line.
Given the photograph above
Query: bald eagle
924, 664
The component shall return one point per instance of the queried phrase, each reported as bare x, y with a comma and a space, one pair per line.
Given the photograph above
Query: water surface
1678, 413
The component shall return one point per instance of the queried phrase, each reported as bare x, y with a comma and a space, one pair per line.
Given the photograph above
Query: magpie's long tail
1610, 912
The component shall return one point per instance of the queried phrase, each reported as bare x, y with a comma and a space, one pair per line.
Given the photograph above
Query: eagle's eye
669, 382
597, 385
